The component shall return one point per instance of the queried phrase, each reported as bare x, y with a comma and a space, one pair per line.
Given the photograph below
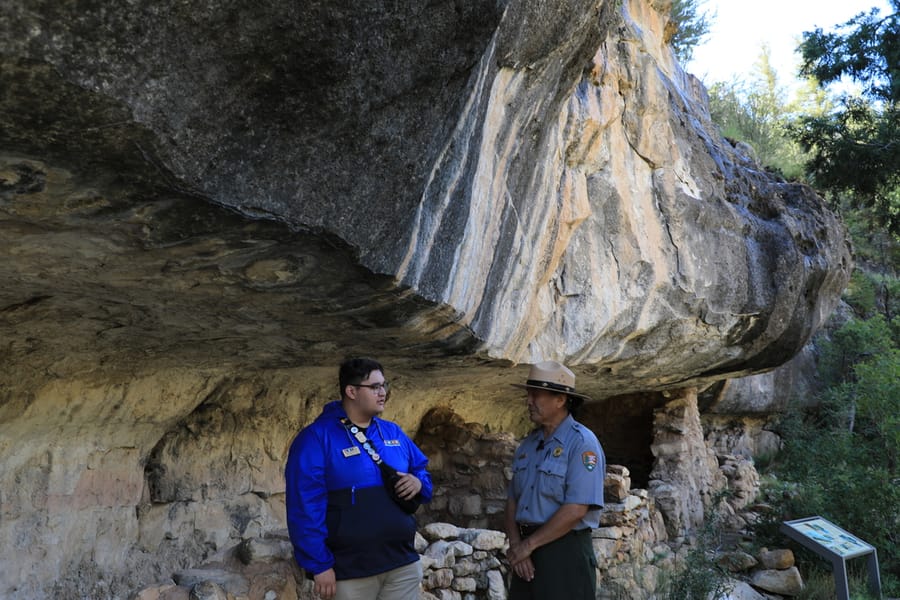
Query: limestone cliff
204, 206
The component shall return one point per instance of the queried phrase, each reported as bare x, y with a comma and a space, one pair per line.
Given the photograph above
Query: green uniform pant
564, 568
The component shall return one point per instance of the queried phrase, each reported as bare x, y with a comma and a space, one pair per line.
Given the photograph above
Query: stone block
465, 567
208, 590
609, 533
442, 554
157, 592
776, 559
787, 582
496, 586
631, 502
484, 539
461, 548
420, 543
736, 561
263, 550
440, 531
463, 584
228, 580
441, 578
615, 487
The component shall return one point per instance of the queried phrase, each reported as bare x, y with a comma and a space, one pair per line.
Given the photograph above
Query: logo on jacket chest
392, 443
351, 451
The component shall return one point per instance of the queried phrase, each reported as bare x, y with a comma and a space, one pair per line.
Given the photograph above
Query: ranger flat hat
553, 376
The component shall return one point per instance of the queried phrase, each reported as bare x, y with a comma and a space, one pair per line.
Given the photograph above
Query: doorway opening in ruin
624, 426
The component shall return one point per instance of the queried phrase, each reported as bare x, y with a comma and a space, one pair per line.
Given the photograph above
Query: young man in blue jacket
349, 530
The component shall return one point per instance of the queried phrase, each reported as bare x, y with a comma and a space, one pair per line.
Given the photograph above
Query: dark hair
574, 404
354, 370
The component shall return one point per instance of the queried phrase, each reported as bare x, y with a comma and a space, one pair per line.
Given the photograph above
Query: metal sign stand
837, 546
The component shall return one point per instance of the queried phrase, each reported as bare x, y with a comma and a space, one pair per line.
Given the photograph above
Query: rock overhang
518, 193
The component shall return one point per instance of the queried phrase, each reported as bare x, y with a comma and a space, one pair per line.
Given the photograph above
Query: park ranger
555, 495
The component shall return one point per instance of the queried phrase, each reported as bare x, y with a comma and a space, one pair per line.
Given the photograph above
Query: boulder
741, 590
736, 561
776, 559
786, 582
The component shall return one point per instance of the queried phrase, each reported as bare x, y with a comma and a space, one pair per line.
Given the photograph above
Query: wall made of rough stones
459, 563
640, 534
114, 482
470, 469
212, 476
750, 437
631, 546
685, 476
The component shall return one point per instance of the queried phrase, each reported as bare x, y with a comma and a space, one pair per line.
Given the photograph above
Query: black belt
525, 529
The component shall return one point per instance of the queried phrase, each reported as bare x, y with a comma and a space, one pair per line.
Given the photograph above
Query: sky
739, 29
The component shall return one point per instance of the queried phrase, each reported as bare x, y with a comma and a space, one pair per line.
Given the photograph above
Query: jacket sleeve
306, 498
417, 466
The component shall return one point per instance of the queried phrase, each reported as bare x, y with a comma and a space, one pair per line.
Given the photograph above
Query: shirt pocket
520, 463
553, 480
520, 474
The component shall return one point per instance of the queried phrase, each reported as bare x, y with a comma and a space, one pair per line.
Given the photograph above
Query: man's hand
407, 486
519, 553
325, 584
524, 569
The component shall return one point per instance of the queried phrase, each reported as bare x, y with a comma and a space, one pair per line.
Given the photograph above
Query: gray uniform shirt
569, 469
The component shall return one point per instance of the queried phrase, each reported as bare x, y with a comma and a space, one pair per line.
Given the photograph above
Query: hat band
558, 387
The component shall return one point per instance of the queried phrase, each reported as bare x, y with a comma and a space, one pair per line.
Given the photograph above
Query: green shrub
861, 294
819, 584
840, 460
697, 576
877, 395
871, 293
855, 341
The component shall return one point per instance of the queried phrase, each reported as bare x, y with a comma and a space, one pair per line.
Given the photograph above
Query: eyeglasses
375, 387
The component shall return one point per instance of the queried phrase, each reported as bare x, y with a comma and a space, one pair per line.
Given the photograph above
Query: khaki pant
402, 583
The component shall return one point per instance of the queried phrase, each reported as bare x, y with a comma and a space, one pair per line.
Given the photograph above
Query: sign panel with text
837, 546
830, 536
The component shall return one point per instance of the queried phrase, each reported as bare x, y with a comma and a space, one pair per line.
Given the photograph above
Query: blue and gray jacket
339, 513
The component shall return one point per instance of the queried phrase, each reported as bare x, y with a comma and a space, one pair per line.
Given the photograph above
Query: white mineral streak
616, 240
489, 197
429, 217
568, 287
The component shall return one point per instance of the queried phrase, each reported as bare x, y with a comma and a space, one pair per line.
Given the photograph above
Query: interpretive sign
837, 546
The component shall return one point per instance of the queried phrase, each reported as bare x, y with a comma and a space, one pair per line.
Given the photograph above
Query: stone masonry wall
470, 469
458, 563
460, 538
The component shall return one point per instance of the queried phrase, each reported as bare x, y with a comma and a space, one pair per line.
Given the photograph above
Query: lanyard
360, 436
389, 475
